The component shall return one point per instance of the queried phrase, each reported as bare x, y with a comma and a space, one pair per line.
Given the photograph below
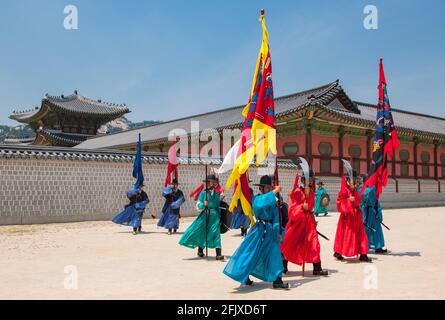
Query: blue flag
137, 166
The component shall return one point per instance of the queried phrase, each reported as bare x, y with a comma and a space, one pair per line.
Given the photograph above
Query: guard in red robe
301, 243
350, 239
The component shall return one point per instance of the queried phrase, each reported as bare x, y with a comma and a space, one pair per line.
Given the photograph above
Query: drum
325, 199
226, 218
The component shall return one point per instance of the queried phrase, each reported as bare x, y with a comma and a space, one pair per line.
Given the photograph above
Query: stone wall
55, 186
62, 186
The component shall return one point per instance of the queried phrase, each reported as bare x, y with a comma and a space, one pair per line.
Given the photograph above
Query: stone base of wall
51, 190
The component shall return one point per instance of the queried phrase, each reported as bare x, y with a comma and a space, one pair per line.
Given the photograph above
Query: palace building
323, 125
68, 121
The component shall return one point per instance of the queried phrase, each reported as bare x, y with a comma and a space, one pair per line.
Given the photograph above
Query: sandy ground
37, 262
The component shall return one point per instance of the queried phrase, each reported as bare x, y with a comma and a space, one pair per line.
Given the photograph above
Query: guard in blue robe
259, 254
239, 219
170, 215
372, 218
134, 210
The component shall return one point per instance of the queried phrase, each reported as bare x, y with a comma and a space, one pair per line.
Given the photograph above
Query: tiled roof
330, 97
402, 119
74, 103
225, 118
10, 140
60, 138
63, 153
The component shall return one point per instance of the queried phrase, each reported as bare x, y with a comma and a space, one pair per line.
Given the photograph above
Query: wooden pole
207, 214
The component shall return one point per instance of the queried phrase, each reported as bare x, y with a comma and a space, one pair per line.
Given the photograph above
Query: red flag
195, 193
172, 165
385, 139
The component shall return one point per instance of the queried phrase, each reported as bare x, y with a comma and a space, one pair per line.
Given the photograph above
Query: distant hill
120, 124
19, 131
123, 124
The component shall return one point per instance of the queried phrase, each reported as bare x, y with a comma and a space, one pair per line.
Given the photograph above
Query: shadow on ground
139, 233
261, 285
307, 273
402, 254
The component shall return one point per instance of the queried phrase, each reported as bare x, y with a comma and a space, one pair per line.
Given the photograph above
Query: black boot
249, 282
381, 251
279, 284
169, 231
338, 256
219, 256
175, 230
139, 228
365, 258
200, 252
318, 271
285, 262
135, 231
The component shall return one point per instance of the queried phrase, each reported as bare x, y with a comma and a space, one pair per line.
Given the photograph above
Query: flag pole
207, 213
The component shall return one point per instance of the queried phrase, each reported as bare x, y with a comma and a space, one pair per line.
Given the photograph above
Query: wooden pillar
369, 135
416, 142
393, 161
341, 133
436, 161
308, 127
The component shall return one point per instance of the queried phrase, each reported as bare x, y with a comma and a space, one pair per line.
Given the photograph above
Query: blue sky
167, 59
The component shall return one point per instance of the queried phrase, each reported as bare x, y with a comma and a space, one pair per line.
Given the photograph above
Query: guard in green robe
321, 191
205, 230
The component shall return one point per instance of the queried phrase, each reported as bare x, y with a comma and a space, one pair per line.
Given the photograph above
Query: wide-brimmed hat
132, 192
174, 181
167, 191
320, 182
211, 178
354, 174
265, 181
311, 174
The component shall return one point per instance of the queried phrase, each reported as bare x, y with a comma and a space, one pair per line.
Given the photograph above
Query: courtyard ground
42, 261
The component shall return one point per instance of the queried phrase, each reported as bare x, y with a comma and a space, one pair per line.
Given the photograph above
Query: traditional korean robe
170, 212
350, 239
318, 209
239, 219
133, 212
195, 235
301, 243
259, 254
372, 218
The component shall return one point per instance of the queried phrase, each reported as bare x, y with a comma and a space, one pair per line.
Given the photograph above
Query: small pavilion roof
74, 104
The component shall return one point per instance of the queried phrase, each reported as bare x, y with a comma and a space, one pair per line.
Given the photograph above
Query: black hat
211, 177
311, 174
174, 181
320, 182
354, 174
265, 181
